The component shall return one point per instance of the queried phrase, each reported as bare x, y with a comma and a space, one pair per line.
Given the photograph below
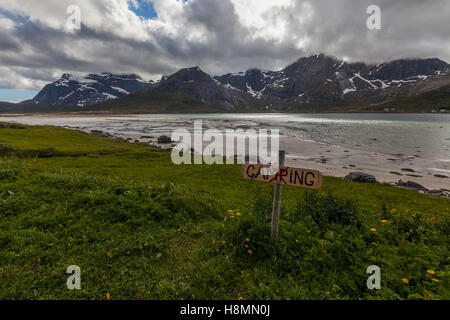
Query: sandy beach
415, 164
337, 161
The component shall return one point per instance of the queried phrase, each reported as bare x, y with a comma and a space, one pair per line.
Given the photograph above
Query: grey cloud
411, 28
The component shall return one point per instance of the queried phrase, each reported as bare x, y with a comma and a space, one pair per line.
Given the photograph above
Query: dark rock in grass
411, 185
7, 126
360, 177
440, 176
164, 140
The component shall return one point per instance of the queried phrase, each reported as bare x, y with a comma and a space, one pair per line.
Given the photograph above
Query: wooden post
277, 200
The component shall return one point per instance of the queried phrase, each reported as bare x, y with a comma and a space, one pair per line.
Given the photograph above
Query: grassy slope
433, 100
109, 207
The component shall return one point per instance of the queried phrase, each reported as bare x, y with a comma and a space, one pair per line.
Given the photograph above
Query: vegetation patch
140, 227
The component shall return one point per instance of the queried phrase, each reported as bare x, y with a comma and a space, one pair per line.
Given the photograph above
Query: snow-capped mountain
319, 78
313, 83
89, 90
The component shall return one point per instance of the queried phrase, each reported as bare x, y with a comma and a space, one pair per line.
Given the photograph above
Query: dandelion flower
238, 214
108, 296
247, 239
250, 251
430, 271
435, 280
240, 298
373, 229
383, 221
405, 281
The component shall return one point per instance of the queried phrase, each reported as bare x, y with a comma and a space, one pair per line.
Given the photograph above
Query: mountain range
89, 90
310, 84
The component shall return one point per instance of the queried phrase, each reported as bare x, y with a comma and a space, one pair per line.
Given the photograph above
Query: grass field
140, 227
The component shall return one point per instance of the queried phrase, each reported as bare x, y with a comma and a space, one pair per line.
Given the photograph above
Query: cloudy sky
157, 37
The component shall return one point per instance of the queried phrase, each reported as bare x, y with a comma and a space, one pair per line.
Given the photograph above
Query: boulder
164, 140
411, 185
360, 177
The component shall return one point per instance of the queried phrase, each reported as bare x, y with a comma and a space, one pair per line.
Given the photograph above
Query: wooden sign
303, 178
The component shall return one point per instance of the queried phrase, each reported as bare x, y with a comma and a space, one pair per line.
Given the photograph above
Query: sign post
302, 178
277, 200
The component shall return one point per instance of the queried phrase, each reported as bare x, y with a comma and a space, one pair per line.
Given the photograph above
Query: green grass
140, 227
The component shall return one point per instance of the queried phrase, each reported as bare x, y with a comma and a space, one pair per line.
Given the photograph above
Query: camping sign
303, 178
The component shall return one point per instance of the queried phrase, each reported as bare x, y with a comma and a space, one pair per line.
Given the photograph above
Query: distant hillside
437, 100
89, 90
188, 90
311, 84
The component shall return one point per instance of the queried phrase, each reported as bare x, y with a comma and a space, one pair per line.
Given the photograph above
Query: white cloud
218, 35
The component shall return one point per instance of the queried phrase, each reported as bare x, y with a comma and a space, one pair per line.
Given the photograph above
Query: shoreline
342, 162
111, 113
331, 160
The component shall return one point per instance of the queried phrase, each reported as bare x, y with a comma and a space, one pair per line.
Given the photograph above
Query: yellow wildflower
435, 280
108, 296
430, 271
250, 251
247, 239
240, 298
109, 254
373, 229
405, 281
383, 221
